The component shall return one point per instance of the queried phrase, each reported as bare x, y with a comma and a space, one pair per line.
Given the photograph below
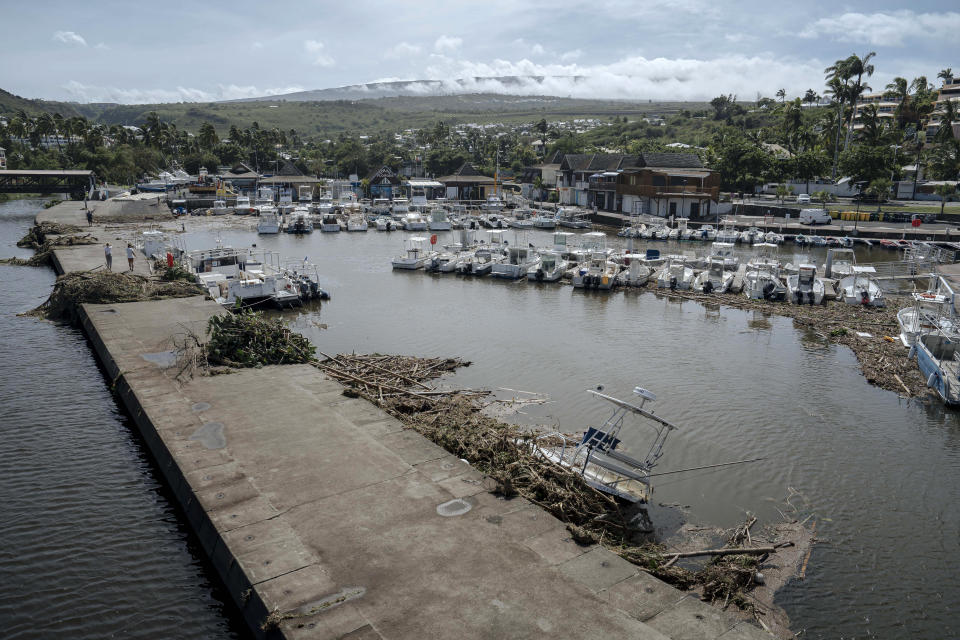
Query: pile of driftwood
378, 377
106, 287
44, 238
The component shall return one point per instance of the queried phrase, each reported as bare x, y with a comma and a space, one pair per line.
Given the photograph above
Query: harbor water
878, 474
91, 545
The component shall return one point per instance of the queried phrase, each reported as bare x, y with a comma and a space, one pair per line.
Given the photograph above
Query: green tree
863, 163
208, 136
880, 188
945, 191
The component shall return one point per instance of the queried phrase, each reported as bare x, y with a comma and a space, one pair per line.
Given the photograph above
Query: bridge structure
73, 181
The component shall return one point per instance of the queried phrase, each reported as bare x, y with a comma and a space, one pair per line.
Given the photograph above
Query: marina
353, 289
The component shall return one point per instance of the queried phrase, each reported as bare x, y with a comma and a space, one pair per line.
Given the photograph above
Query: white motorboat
661, 233
400, 208
551, 268
931, 311
413, 221
839, 263
493, 221
386, 223
715, 278
762, 282
415, 256
357, 222
521, 220
243, 207
752, 235
563, 243
330, 222
599, 272
572, 219
633, 231
219, 208
439, 221
804, 287
707, 232
444, 262
493, 203
544, 220
241, 278
519, 260
936, 357
772, 237
674, 274
637, 270
728, 233
300, 221
597, 456
861, 287
268, 221
480, 263
726, 251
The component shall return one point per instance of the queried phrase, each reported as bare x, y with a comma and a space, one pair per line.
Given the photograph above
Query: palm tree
811, 97
946, 75
858, 66
899, 90
874, 132
782, 94
837, 89
944, 191
947, 117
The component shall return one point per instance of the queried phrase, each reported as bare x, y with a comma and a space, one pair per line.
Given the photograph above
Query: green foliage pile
249, 339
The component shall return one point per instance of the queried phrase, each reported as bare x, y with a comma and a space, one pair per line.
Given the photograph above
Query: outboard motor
768, 291
865, 296
540, 275
673, 283
708, 287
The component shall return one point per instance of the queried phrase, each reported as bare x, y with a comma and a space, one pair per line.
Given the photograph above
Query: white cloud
315, 49
102, 46
93, 93
256, 45
402, 50
447, 43
886, 28
69, 37
570, 56
537, 49
633, 77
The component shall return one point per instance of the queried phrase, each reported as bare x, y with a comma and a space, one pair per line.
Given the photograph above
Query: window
694, 209
677, 181
673, 208
659, 181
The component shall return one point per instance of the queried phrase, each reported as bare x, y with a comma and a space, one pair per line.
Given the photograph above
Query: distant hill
363, 113
521, 88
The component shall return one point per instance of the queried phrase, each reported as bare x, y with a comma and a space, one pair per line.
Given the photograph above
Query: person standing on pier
130, 255
89, 217
108, 254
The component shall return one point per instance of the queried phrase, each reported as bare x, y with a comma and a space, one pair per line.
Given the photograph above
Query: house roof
289, 169
467, 169
466, 174
383, 173
595, 162
290, 180
239, 169
670, 160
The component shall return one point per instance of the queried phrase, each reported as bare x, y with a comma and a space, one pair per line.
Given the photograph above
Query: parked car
803, 198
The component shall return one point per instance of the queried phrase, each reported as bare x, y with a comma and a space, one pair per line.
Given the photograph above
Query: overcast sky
122, 51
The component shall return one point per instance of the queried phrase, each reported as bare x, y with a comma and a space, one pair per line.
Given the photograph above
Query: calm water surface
90, 546
879, 475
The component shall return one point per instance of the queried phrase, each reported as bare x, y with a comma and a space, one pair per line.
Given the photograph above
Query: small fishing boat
300, 222
519, 260
493, 221
931, 311
219, 208
707, 232
493, 203
521, 220
571, 219
726, 251
805, 287
936, 357
413, 221
386, 223
598, 273
772, 237
544, 220
715, 278
637, 270
839, 263
598, 456
861, 287
551, 268
329, 222
269, 221
444, 262
480, 263
356, 222
728, 233
242, 206
415, 254
439, 221
675, 275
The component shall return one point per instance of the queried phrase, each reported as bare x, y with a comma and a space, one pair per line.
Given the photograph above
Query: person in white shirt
108, 254
130, 255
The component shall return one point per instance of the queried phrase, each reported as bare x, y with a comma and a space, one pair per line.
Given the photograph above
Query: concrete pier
328, 514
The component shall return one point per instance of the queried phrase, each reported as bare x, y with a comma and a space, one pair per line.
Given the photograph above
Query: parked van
803, 198
814, 216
